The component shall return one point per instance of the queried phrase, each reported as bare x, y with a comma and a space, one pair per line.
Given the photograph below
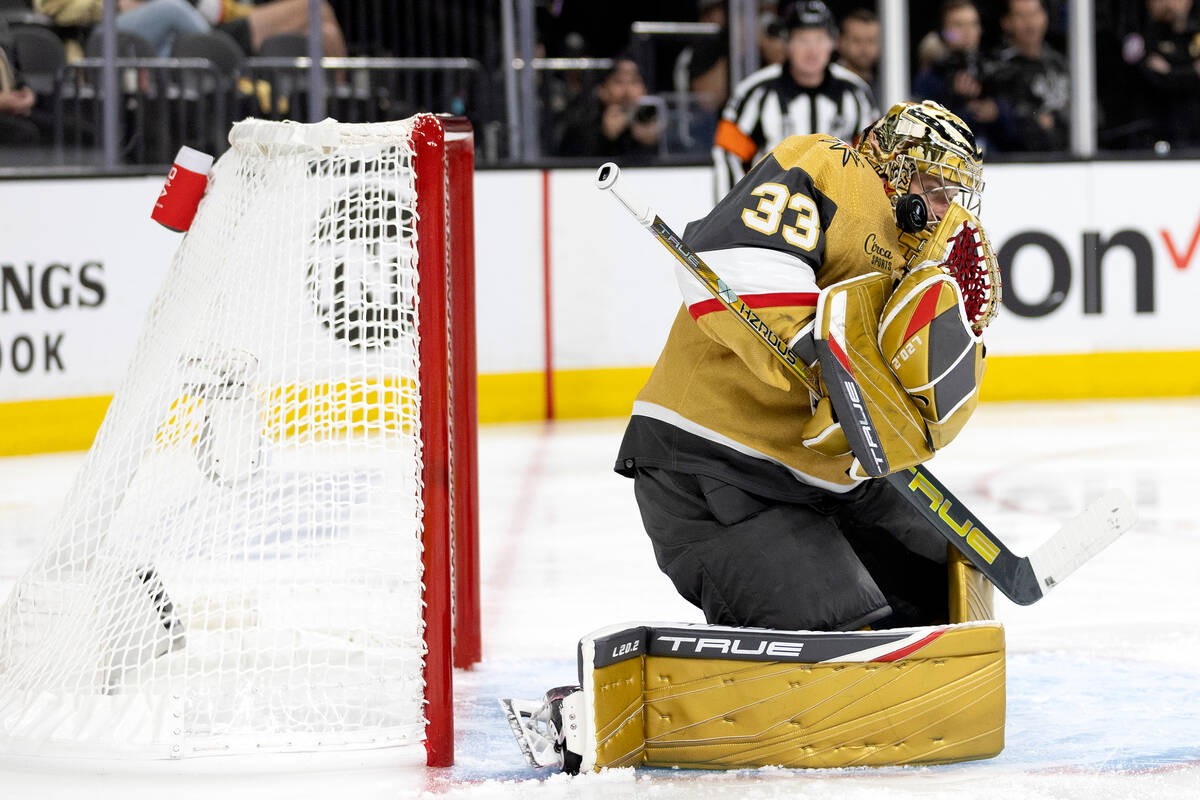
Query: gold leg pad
944, 702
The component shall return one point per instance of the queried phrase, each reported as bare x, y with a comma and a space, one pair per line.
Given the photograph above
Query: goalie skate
549, 731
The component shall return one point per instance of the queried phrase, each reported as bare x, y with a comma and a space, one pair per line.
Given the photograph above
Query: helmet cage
927, 143
954, 181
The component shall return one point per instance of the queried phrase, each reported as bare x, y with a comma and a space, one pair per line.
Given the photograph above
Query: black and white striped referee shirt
769, 106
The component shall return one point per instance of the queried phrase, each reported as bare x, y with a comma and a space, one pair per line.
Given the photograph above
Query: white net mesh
237, 565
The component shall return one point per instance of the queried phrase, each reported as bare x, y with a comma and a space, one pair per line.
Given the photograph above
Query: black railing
163, 103
168, 102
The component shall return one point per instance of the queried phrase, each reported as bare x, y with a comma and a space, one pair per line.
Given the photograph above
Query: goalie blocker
711, 697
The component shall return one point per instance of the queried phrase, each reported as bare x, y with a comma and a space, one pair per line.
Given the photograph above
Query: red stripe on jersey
769, 300
925, 311
896, 655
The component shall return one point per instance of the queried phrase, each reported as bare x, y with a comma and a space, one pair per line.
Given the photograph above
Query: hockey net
259, 551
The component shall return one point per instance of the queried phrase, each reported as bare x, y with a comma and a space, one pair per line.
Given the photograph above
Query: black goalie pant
829, 562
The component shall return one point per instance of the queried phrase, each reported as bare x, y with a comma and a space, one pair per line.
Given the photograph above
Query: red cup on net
180, 195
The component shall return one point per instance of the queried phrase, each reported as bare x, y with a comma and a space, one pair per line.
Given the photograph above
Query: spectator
702, 73
17, 128
772, 39
26, 117
1167, 55
1032, 84
558, 90
956, 79
804, 95
248, 24
1120, 119
859, 46
615, 121
160, 22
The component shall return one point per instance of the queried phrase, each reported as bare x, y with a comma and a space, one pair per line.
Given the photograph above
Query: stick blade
1081, 538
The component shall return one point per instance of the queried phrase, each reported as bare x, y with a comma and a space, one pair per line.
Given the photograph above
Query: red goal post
446, 201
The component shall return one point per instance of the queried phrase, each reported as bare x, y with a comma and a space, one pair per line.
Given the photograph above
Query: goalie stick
1022, 579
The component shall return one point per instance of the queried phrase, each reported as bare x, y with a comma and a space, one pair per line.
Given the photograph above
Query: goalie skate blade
534, 746
1100, 524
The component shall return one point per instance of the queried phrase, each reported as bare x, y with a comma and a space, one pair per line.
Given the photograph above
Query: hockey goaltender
842, 630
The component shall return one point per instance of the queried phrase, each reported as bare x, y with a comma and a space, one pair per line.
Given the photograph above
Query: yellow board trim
39, 426
1092, 375
49, 426
592, 393
512, 397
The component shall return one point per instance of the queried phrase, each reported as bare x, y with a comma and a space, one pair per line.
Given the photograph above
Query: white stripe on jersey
752, 109
642, 408
838, 118
722, 178
754, 79
775, 123
749, 271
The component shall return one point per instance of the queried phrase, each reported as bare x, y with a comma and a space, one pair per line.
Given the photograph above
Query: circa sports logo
881, 257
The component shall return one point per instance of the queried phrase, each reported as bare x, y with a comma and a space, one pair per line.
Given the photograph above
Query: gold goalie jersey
810, 215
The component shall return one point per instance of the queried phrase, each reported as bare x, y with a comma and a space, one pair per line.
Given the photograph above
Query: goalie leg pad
710, 697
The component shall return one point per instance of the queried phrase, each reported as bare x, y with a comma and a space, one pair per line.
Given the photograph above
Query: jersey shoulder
834, 165
861, 236
811, 197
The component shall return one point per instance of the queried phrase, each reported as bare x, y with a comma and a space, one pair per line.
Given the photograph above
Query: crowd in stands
39, 37
19, 119
161, 22
999, 64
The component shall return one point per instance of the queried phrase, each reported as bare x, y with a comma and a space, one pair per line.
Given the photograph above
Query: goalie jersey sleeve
808, 215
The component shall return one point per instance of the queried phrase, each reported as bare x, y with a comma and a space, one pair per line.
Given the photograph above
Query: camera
645, 113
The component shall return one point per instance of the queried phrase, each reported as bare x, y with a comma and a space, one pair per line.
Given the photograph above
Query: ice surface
1103, 673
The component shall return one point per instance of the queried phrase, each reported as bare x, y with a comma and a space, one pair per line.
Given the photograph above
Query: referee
805, 94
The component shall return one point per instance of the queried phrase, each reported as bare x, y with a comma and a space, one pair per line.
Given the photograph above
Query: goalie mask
927, 158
